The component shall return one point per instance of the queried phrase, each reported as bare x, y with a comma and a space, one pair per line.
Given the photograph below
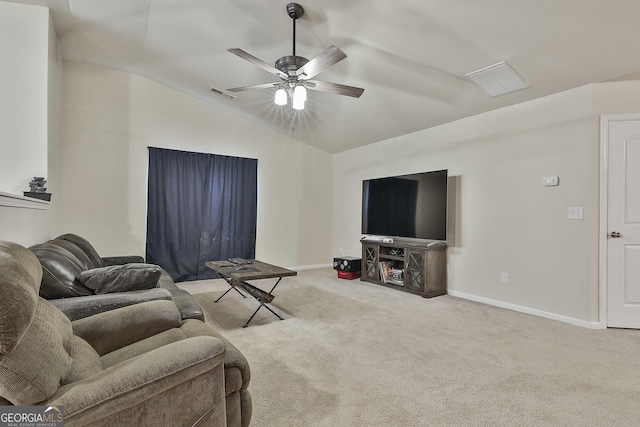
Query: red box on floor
349, 275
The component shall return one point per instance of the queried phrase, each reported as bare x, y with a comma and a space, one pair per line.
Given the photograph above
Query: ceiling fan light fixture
296, 72
300, 92
297, 105
299, 97
281, 97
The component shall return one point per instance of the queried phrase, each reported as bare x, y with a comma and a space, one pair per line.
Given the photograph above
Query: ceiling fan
296, 73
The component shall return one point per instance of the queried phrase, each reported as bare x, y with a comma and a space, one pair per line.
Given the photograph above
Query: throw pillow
121, 278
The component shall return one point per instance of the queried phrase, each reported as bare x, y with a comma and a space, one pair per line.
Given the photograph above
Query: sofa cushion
86, 262
143, 346
20, 275
121, 278
34, 369
85, 361
81, 307
87, 247
59, 271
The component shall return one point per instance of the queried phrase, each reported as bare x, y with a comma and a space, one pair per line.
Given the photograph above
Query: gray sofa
137, 365
71, 267
70, 263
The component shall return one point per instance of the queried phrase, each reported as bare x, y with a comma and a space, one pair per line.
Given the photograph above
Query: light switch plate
575, 213
550, 181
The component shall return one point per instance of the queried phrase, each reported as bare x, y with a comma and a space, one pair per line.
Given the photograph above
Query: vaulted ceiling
410, 56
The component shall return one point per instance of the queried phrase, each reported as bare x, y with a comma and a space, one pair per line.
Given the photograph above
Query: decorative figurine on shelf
37, 184
37, 189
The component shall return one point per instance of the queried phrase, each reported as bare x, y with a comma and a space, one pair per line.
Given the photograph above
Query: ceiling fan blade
334, 88
252, 87
259, 62
328, 57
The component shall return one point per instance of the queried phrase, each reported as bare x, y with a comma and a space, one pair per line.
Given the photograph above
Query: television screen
413, 206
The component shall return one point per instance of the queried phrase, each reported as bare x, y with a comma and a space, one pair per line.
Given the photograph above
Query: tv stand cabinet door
414, 270
370, 262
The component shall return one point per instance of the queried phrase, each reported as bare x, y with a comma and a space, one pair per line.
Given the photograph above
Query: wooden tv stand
416, 268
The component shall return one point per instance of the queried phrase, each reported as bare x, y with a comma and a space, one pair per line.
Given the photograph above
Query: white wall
504, 219
109, 120
24, 48
54, 113
30, 83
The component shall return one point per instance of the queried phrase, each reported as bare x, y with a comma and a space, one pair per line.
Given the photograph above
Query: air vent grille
498, 79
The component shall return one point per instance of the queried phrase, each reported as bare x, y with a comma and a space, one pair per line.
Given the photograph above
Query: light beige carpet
350, 354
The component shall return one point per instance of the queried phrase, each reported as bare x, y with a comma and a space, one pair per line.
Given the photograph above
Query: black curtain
200, 207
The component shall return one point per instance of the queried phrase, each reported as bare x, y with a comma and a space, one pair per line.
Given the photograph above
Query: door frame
603, 233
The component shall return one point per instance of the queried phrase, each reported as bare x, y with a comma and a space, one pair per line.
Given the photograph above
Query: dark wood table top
254, 271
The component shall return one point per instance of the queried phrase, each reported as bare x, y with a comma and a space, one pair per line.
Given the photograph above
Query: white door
623, 217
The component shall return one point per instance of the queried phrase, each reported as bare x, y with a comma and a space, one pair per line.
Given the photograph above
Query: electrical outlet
551, 181
504, 277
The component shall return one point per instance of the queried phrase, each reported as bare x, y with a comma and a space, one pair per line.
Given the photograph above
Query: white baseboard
310, 267
527, 310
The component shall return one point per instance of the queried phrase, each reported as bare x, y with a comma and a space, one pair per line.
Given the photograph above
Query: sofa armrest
118, 328
147, 389
80, 307
120, 260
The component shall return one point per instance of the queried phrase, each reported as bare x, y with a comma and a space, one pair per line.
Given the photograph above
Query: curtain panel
200, 207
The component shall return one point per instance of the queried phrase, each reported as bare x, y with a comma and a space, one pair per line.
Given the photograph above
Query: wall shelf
17, 201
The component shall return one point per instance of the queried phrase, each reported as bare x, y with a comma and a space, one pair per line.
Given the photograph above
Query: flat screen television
412, 206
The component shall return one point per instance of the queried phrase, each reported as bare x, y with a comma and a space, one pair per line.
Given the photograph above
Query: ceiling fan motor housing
295, 10
289, 64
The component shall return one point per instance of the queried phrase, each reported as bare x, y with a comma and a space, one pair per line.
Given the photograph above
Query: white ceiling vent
498, 79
